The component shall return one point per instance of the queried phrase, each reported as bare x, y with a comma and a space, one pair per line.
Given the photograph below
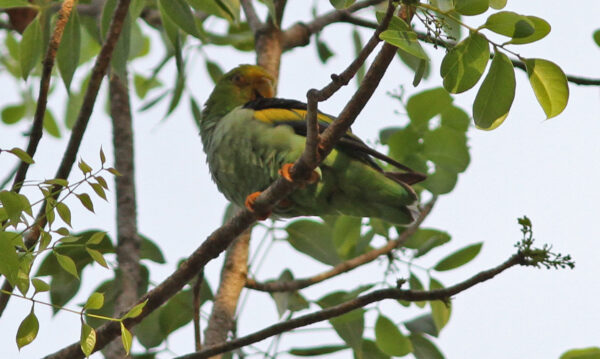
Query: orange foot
249, 203
285, 173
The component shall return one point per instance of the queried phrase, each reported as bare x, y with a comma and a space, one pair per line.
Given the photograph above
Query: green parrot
249, 137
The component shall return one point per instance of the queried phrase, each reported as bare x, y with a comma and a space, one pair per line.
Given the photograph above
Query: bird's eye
237, 79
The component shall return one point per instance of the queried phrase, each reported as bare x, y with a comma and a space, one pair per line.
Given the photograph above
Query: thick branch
233, 278
128, 241
362, 301
346, 266
40, 110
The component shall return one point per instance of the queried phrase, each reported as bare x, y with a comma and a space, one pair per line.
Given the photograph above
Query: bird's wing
277, 112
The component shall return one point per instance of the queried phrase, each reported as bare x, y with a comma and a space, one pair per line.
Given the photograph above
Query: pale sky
547, 170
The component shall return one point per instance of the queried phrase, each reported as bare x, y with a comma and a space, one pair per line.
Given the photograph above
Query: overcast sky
547, 170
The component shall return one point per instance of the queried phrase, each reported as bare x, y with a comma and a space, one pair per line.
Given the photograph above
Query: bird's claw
285, 173
249, 203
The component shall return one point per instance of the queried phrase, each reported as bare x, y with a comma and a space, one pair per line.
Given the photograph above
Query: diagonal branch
40, 110
359, 302
346, 266
253, 20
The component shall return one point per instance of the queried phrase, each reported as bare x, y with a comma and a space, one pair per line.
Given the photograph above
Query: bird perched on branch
251, 139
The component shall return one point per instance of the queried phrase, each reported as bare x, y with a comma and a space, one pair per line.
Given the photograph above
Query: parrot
251, 138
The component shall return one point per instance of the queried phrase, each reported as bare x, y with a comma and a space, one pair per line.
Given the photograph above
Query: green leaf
422, 324
23, 156
323, 51
31, 47
497, 4
471, 7
196, 112
496, 94
148, 332
314, 239
99, 190
67, 264
214, 71
11, 201
390, 339
28, 330
67, 57
542, 28
415, 284
423, 106
346, 233
463, 66
64, 212
180, 13
405, 40
136, 310
442, 181
149, 250
126, 338
231, 7
96, 238
456, 118
423, 348
95, 301
447, 148
85, 200
39, 285
341, 4
13, 114
358, 46
459, 258
87, 340
549, 84
6, 4
176, 313
177, 92
425, 240
596, 37
585, 353
50, 125
510, 24
142, 85
350, 327
97, 257
314, 351
9, 259
440, 311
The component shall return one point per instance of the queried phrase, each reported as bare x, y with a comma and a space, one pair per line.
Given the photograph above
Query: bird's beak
264, 87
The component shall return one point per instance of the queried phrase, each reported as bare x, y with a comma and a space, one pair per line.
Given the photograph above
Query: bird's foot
285, 173
249, 203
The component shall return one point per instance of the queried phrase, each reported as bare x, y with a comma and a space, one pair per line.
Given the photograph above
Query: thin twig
299, 33
253, 20
346, 266
360, 302
47, 64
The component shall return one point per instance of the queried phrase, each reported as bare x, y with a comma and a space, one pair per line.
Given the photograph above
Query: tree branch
40, 110
233, 278
359, 302
253, 20
128, 241
346, 266
299, 34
